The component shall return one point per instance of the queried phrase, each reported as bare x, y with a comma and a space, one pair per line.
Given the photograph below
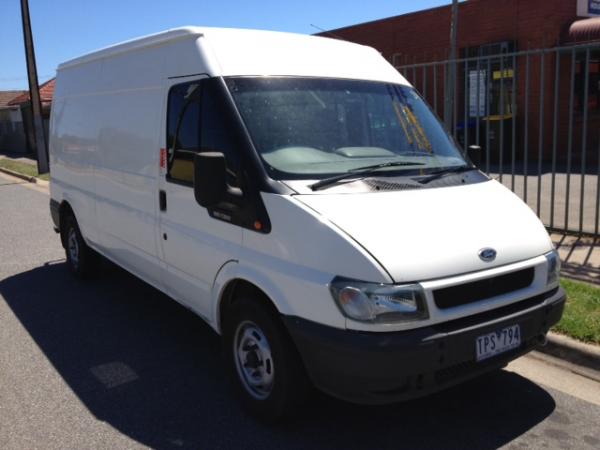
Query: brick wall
425, 35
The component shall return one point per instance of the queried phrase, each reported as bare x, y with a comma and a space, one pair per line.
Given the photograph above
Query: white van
299, 195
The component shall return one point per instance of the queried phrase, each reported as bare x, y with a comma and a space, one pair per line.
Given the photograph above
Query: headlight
553, 265
379, 303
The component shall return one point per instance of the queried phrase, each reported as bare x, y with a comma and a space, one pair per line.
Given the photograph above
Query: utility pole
450, 96
34, 93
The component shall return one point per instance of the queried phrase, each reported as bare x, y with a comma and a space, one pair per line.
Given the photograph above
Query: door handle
162, 200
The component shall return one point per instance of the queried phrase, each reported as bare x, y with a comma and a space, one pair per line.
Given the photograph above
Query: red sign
163, 158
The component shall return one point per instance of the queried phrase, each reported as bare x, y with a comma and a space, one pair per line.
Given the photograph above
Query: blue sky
64, 29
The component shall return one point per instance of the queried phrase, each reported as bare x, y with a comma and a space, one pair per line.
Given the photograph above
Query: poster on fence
477, 93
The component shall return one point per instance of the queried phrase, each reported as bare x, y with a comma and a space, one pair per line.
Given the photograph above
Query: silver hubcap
253, 360
73, 247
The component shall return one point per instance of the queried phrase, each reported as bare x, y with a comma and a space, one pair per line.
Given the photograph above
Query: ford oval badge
487, 254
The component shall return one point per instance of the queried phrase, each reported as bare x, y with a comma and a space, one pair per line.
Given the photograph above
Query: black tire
289, 386
81, 259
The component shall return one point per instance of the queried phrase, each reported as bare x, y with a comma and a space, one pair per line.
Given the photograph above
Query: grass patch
22, 168
581, 319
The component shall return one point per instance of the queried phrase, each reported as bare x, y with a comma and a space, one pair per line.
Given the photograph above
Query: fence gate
536, 115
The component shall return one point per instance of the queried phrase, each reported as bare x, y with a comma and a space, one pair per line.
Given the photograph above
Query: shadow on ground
151, 369
580, 257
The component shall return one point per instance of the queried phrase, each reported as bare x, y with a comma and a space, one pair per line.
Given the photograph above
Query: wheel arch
64, 209
233, 282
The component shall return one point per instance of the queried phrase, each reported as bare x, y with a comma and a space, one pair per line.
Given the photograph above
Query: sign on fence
588, 8
477, 81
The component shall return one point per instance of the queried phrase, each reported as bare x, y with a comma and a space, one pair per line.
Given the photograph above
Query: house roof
7, 96
46, 93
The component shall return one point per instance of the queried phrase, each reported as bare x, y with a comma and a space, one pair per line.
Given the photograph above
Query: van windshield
314, 128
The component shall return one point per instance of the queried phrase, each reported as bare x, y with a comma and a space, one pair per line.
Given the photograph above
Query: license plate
500, 341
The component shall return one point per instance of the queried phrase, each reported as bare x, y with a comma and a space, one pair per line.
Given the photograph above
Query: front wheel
262, 361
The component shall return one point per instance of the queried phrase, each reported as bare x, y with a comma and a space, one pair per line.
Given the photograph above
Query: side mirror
210, 181
474, 154
210, 178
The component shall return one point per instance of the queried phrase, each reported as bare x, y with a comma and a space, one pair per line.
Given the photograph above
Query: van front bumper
378, 368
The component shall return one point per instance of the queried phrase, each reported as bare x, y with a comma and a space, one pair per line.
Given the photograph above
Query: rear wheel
81, 259
262, 361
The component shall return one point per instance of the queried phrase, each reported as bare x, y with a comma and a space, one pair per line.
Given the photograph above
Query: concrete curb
18, 175
570, 350
24, 177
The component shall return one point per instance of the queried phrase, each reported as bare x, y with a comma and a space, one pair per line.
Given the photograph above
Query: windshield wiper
440, 173
361, 172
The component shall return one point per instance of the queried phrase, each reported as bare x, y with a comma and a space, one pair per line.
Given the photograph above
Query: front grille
494, 314
463, 294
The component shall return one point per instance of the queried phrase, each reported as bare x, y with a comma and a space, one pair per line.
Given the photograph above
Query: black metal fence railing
536, 115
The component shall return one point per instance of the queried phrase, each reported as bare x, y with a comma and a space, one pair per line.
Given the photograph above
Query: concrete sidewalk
580, 257
567, 193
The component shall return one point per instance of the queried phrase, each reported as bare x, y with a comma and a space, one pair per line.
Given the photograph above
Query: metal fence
536, 115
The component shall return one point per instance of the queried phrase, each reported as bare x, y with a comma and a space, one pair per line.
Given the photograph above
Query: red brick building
424, 36
488, 27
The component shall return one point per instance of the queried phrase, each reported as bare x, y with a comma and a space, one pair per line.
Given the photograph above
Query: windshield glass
312, 128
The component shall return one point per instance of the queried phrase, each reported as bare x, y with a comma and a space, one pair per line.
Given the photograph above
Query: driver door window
183, 131
197, 122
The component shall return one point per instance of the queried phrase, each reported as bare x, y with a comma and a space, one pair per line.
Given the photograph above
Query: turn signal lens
355, 303
553, 266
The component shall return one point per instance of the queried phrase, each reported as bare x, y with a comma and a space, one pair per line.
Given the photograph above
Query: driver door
194, 245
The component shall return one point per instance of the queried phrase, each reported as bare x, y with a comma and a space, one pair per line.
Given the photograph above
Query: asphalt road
113, 363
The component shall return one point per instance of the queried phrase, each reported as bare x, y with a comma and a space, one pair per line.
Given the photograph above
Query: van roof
131, 45
256, 52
